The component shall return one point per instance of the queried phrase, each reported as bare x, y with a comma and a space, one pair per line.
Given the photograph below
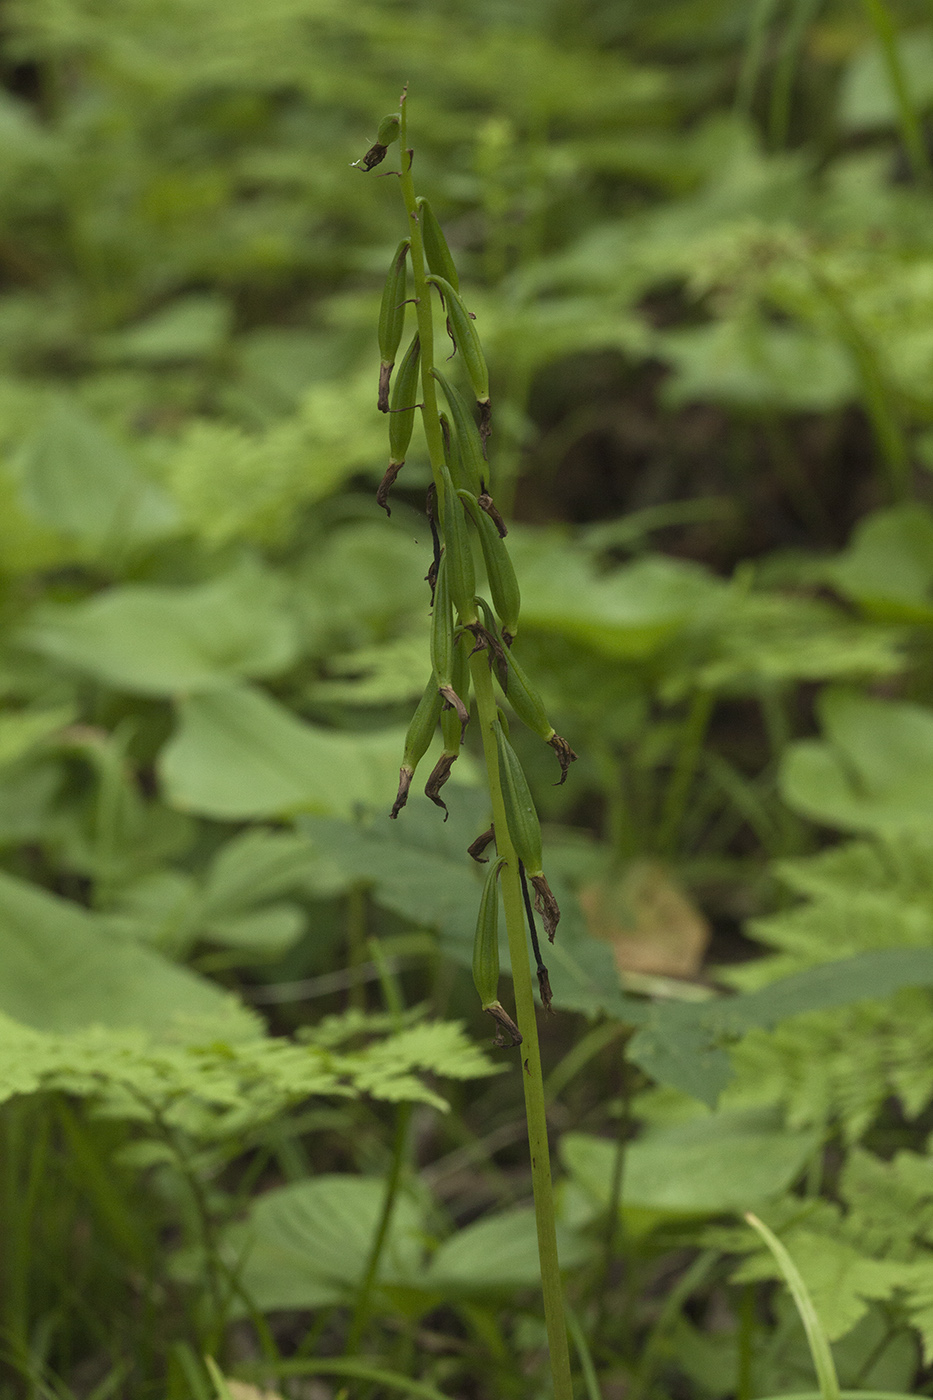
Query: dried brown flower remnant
487, 504
439, 775
386, 484
477, 847
545, 904
565, 755
508, 1033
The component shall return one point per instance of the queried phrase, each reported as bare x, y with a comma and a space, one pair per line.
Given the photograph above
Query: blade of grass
816, 1335
584, 1355
334, 1366
911, 128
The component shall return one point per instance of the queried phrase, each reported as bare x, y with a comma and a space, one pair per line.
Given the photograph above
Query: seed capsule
404, 395
392, 319
465, 338
451, 726
461, 575
401, 418
472, 462
442, 628
442, 644
418, 740
525, 830
486, 941
436, 250
389, 129
524, 699
528, 705
486, 959
503, 585
524, 827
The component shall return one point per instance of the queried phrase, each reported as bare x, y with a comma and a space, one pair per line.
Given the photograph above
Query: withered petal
439, 775
546, 904
565, 755
508, 1033
405, 776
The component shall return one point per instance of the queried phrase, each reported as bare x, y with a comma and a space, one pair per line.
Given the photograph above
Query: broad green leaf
753, 364
872, 772
744, 641
187, 329
237, 753
306, 1245
393, 672
416, 866
162, 641
682, 1044
238, 903
888, 566
629, 612
21, 731
25, 544
259, 865
268, 931
498, 1252
77, 480
717, 1163
362, 586
28, 793
61, 971
866, 99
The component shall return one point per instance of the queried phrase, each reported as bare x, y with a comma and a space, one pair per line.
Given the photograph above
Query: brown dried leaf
651, 923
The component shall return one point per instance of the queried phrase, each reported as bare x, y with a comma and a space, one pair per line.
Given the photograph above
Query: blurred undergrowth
698, 240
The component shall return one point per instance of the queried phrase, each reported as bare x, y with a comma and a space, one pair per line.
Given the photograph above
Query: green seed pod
461, 575
526, 702
443, 641
473, 464
524, 827
401, 419
486, 959
528, 705
392, 319
503, 585
404, 395
418, 739
389, 129
436, 250
486, 940
442, 629
465, 338
460, 679
452, 723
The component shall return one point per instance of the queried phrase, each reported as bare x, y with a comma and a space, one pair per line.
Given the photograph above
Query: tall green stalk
532, 1078
460, 474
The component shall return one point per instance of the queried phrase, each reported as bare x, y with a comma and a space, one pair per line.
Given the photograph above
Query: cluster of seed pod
461, 509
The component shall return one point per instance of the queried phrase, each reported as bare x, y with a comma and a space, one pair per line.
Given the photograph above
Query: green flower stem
425, 314
511, 887
531, 1058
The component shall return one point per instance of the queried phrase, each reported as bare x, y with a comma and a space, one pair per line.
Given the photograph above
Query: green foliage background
698, 240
